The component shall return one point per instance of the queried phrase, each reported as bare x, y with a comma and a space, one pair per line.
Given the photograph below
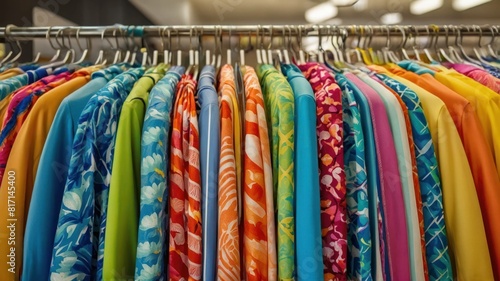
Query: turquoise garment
51, 177
209, 125
438, 258
360, 244
307, 192
152, 244
415, 67
399, 134
78, 244
373, 180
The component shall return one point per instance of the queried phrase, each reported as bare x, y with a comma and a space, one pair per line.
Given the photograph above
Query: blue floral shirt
79, 241
151, 245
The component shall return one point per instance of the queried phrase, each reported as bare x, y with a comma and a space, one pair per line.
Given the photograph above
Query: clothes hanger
403, 51
477, 51
249, 48
84, 52
229, 53
11, 52
118, 52
100, 58
453, 52
193, 55
69, 52
441, 51
259, 46
302, 56
491, 52
125, 38
427, 53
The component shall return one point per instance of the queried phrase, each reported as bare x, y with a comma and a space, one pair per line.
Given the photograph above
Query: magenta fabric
478, 74
329, 130
392, 191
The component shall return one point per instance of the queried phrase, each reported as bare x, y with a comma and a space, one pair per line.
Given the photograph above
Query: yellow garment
4, 105
464, 222
485, 101
23, 161
10, 73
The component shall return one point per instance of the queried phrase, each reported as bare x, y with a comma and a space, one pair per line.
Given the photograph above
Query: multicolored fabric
329, 130
375, 208
185, 187
279, 100
19, 108
416, 182
438, 259
12, 84
229, 263
79, 241
359, 244
151, 245
259, 240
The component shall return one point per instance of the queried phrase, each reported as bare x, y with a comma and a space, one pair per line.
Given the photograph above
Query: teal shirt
307, 192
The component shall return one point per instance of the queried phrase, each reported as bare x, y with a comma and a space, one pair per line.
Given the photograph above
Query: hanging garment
185, 187
437, 257
85, 199
485, 102
307, 190
152, 244
229, 262
375, 209
209, 122
124, 191
398, 265
329, 132
359, 240
279, 100
51, 176
478, 153
259, 240
402, 146
23, 164
239, 139
464, 224
477, 74
416, 183
19, 108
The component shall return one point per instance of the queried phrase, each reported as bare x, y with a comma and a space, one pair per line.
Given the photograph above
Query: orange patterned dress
185, 191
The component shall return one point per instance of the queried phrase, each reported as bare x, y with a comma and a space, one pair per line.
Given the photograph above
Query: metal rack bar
29, 33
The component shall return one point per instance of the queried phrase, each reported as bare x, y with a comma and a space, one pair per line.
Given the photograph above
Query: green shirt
124, 194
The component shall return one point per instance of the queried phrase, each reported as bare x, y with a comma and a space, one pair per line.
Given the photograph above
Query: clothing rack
28, 33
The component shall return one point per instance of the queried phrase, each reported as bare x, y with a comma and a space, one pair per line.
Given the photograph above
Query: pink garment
329, 130
478, 74
392, 191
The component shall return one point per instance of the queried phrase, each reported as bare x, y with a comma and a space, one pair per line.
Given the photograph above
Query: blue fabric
152, 245
209, 124
51, 176
78, 244
359, 236
415, 67
29, 66
308, 239
438, 259
373, 180
12, 84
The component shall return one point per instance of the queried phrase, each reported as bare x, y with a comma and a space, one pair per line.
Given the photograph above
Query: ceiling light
391, 18
461, 5
420, 7
321, 12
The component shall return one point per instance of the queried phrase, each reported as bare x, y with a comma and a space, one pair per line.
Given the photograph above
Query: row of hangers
338, 54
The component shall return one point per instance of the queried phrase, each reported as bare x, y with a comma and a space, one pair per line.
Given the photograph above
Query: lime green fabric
124, 194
